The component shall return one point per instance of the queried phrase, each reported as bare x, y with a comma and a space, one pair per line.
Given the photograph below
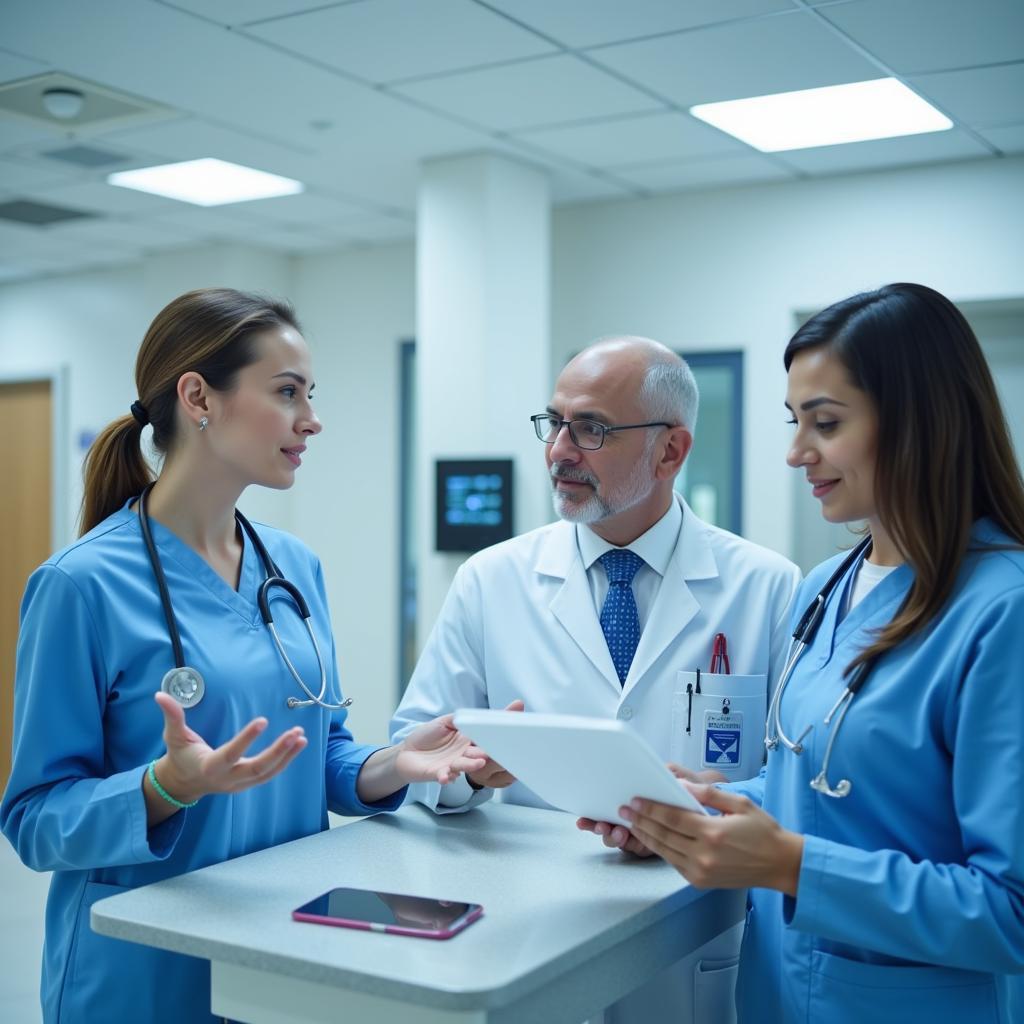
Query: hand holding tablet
588, 766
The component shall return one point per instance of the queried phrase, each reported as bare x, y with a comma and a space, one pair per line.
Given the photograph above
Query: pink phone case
393, 929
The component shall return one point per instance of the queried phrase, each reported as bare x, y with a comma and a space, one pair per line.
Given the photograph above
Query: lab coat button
626, 712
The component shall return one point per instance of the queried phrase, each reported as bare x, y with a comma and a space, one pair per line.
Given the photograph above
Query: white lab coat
519, 622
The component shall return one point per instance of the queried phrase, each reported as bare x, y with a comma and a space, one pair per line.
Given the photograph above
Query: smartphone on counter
396, 913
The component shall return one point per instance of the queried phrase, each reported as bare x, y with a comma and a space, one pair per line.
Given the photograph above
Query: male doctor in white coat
545, 618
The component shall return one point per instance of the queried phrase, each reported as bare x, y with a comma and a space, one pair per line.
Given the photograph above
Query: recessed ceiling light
206, 182
836, 114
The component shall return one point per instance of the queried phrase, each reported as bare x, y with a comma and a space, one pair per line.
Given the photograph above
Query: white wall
356, 308
730, 269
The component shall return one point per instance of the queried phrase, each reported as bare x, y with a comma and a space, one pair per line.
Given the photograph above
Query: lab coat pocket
850, 990
718, 722
112, 980
714, 990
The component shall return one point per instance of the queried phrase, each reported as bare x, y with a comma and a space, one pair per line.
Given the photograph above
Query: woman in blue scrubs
110, 791
902, 900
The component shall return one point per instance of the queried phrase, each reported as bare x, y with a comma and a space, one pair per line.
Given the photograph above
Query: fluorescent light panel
206, 182
836, 114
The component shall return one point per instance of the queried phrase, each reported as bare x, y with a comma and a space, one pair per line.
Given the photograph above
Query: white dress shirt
655, 547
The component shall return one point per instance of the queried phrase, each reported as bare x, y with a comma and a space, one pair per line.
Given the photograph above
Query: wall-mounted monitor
474, 503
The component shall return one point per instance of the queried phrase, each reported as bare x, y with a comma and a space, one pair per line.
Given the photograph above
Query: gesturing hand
191, 768
437, 752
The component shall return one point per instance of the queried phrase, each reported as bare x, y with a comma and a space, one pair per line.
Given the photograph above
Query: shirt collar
655, 546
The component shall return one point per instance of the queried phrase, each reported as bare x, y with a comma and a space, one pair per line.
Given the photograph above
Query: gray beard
596, 506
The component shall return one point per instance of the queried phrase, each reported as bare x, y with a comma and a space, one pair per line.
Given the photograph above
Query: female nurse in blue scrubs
110, 791
902, 900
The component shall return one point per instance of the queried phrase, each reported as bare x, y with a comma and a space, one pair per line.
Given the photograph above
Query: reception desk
568, 927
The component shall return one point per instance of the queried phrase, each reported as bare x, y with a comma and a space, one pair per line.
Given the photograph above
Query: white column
482, 339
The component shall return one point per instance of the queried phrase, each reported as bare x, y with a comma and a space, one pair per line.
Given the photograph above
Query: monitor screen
474, 503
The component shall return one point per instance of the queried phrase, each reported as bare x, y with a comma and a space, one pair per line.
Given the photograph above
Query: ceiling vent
24, 211
95, 108
86, 156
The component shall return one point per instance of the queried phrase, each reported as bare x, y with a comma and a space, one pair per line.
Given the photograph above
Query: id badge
723, 738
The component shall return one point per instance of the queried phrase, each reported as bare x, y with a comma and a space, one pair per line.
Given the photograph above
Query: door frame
60, 496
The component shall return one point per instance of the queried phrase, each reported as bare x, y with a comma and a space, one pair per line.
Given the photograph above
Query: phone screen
389, 912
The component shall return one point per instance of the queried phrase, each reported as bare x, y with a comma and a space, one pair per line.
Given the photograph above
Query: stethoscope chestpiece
820, 784
185, 685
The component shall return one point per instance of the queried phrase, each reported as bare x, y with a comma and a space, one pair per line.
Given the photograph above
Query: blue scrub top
910, 905
92, 650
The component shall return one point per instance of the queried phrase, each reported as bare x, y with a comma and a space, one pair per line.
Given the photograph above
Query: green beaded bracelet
163, 792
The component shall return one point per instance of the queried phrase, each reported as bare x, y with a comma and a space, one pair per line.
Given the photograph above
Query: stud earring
203, 423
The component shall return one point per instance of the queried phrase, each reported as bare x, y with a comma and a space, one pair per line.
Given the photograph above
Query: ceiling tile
580, 23
301, 210
132, 234
99, 197
208, 225
50, 246
231, 78
533, 93
241, 12
750, 58
368, 145
635, 140
18, 174
880, 153
709, 174
1010, 139
978, 96
934, 35
16, 133
285, 241
191, 138
13, 66
440, 36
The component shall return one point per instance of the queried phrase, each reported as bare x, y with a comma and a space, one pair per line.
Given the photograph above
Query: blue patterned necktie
619, 618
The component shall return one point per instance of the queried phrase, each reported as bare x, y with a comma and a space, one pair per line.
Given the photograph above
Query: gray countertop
553, 898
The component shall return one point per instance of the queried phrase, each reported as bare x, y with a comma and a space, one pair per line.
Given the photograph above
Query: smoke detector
63, 104
67, 104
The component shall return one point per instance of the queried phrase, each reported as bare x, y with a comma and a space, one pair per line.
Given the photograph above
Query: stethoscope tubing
274, 578
803, 637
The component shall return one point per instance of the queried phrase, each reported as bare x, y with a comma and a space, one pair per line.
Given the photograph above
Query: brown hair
211, 331
945, 458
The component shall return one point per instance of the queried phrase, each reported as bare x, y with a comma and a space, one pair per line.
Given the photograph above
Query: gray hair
669, 392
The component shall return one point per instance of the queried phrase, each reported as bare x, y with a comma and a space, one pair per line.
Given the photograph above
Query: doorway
27, 532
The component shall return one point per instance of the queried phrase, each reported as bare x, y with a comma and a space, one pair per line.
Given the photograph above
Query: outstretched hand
437, 752
191, 768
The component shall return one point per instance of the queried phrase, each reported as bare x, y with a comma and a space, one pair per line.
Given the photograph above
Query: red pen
720, 655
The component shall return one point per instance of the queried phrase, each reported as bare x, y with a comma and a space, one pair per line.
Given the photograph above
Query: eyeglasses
586, 434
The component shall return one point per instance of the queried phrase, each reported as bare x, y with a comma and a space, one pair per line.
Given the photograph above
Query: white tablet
589, 766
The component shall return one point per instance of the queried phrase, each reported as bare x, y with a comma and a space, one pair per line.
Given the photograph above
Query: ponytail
115, 470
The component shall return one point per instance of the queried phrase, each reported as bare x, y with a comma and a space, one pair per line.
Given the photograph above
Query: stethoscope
184, 683
803, 637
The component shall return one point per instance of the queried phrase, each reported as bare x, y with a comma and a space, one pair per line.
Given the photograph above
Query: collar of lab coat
673, 609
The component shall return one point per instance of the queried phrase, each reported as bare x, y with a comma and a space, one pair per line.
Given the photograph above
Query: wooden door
25, 516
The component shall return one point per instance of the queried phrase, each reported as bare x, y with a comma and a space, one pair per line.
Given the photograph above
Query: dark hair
945, 458
212, 332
